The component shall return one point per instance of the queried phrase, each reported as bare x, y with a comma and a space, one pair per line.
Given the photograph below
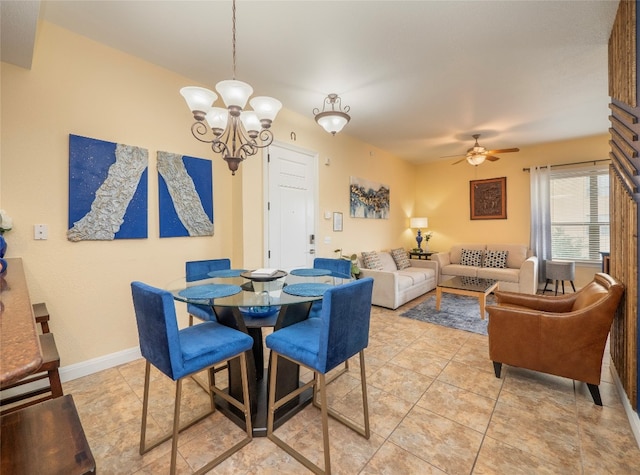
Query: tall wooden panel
624, 199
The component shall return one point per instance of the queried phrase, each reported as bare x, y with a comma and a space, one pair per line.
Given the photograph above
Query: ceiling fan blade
451, 156
491, 158
503, 150
461, 160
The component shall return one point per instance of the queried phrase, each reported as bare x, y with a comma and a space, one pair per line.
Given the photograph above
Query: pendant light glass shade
217, 118
266, 107
250, 122
332, 122
198, 99
234, 93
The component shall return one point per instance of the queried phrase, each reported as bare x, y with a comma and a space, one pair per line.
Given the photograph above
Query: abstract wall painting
107, 190
185, 188
368, 199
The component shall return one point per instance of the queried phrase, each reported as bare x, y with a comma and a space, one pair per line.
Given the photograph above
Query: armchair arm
562, 303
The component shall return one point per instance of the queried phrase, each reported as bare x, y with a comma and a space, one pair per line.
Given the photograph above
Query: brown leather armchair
564, 336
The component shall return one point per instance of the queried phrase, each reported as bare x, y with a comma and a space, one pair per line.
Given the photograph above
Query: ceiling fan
477, 154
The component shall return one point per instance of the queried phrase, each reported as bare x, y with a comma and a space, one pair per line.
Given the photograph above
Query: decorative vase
3, 246
426, 246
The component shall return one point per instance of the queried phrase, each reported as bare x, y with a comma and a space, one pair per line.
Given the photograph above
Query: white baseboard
85, 368
634, 420
78, 370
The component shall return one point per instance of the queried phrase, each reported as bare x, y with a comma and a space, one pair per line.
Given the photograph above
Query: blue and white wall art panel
107, 190
368, 199
185, 188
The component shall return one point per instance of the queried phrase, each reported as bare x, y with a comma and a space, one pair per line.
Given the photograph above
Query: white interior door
291, 210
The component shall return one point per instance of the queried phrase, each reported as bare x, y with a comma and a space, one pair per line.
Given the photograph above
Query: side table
559, 271
421, 255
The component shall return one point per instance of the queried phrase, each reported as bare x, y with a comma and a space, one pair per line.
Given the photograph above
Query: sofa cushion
370, 260
516, 253
386, 262
505, 275
456, 251
412, 276
401, 258
471, 257
497, 259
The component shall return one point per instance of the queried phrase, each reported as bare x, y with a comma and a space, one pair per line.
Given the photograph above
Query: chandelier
235, 130
332, 120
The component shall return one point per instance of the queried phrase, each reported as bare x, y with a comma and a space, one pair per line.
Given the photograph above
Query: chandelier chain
233, 30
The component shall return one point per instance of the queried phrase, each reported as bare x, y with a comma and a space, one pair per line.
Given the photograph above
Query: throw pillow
497, 259
401, 258
471, 257
371, 260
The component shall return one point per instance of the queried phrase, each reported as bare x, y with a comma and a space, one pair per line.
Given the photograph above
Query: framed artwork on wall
488, 198
368, 199
337, 221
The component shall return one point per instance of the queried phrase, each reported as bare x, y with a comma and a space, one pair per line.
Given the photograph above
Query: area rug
456, 311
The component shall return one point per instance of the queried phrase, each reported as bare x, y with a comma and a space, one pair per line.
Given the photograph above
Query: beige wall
81, 87
442, 194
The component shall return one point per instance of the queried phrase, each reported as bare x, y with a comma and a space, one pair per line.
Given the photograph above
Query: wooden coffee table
470, 286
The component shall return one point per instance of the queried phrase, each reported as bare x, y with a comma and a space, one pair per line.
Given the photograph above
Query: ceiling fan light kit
477, 154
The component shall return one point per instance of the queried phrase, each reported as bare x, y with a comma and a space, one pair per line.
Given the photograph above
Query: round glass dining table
248, 302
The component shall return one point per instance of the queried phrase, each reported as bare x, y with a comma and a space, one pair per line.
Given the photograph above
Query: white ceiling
420, 76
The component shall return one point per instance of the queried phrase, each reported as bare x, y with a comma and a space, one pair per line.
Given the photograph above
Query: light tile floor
435, 407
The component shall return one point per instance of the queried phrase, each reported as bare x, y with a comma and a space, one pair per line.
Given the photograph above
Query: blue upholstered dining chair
199, 270
339, 267
181, 353
321, 344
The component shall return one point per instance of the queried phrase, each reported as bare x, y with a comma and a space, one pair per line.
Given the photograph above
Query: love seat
397, 281
512, 265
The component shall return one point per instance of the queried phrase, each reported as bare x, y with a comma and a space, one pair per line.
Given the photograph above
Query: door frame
313, 155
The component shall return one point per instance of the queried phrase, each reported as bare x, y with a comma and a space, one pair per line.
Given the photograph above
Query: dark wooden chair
48, 370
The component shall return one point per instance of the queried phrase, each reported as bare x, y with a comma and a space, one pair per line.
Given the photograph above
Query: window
580, 214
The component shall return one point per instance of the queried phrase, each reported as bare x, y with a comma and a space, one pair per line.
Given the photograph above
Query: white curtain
541, 217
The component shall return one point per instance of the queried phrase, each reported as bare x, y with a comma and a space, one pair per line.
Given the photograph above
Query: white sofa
393, 287
520, 274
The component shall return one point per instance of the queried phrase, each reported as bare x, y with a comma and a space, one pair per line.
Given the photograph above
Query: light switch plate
40, 231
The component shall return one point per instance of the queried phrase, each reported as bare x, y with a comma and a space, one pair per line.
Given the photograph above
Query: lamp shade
234, 93
217, 118
250, 121
332, 121
419, 223
265, 107
198, 98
